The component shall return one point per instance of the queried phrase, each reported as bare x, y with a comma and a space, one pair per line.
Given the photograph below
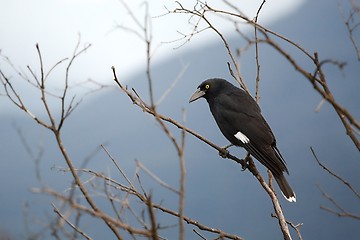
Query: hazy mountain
217, 192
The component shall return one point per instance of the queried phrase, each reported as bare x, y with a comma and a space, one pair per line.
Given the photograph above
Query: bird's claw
245, 163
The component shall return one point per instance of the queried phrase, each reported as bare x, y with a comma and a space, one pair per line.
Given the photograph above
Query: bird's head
209, 88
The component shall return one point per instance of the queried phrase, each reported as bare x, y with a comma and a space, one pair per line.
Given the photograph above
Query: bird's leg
227, 146
224, 152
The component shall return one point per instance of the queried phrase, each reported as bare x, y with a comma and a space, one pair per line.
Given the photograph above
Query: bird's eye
207, 86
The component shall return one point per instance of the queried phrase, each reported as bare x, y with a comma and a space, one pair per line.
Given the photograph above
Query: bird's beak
198, 94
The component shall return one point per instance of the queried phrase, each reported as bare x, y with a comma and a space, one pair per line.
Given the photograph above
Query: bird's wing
244, 114
240, 113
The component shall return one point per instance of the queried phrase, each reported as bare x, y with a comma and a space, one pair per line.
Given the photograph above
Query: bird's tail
285, 188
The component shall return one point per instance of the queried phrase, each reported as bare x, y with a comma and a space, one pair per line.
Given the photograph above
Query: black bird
239, 119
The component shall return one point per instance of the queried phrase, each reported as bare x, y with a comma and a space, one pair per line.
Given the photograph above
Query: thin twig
118, 167
150, 208
201, 15
77, 229
168, 90
257, 81
342, 213
155, 177
294, 226
197, 233
346, 183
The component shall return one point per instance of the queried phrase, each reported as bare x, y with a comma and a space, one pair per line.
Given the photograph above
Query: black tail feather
285, 188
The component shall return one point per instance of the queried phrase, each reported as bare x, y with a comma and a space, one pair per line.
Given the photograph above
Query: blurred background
218, 193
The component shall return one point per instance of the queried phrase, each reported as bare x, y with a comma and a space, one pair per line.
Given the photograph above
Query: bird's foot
245, 163
223, 152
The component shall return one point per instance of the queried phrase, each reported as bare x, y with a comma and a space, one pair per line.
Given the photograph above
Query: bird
239, 118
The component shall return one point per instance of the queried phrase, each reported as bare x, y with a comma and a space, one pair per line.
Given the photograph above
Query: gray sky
57, 24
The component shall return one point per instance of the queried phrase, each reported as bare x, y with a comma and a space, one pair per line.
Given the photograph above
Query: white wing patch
240, 136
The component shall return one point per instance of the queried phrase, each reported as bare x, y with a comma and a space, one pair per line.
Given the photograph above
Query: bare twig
66, 112
82, 233
320, 86
341, 211
339, 214
166, 93
118, 167
257, 96
154, 226
199, 234
200, 13
155, 177
342, 180
352, 24
94, 213
294, 226
199, 225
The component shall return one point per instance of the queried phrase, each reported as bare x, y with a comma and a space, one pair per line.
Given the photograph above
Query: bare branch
66, 112
155, 177
201, 14
352, 24
341, 211
15, 98
294, 226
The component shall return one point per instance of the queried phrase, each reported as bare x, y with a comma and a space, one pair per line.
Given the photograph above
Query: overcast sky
56, 26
